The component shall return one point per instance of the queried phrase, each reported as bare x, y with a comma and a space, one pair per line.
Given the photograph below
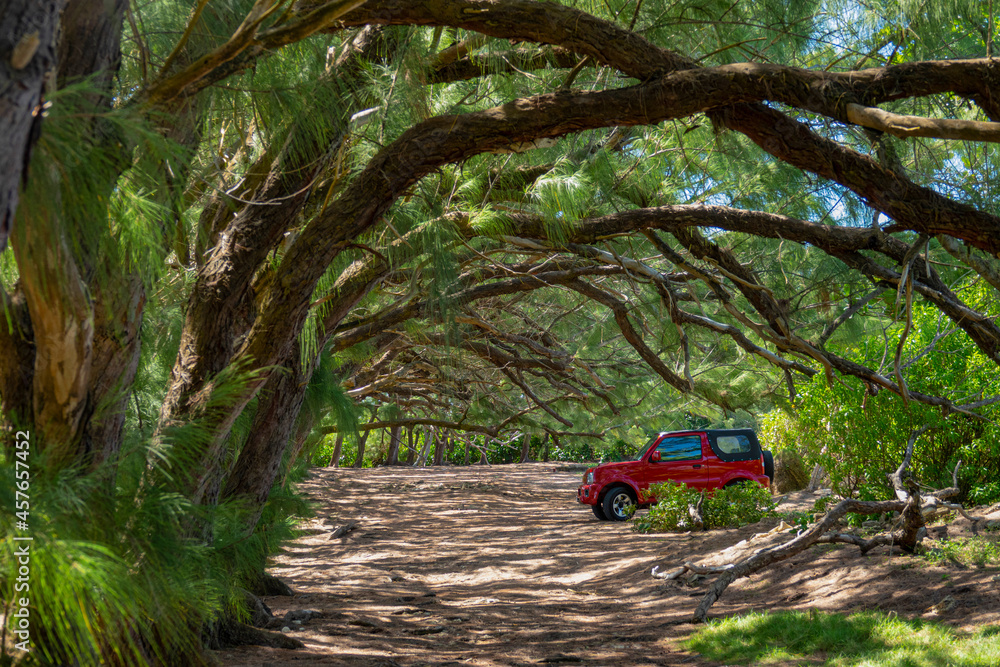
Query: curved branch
620, 312
515, 61
535, 399
917, 126
417, 421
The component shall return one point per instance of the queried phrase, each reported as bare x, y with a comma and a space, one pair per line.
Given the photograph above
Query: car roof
710, 431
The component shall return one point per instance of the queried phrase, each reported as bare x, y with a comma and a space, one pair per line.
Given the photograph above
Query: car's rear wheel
599, 512
618, 504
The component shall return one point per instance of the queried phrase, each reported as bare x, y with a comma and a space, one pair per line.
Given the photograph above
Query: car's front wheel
599, 512
618, 504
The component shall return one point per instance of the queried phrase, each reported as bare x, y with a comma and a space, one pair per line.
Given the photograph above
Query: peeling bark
63, 326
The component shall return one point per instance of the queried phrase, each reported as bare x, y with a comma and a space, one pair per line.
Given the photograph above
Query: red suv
706, 459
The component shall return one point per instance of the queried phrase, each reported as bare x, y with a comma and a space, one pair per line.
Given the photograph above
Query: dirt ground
499, 565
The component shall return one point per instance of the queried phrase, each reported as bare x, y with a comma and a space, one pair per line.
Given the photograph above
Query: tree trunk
335, 457
482, 453
27, 37
222, 304
525, 448
395, 437
359, 461
254, 471
410, 451
440, 443
62, 319
17, 364
88, 314
467, 453
545, 448
816, 477
115, 361
425, 448
90, 44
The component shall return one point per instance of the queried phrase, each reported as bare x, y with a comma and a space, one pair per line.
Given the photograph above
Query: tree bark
91, 44
410, 451
223, 302
359, 461
525, 448
63, 324
115, 361
335, 457
392, 456
28, 31
482, 456
86, 315
425, 447
440, 443
17, 363
254, 471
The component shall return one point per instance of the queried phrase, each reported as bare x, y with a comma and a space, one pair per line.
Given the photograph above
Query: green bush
979, 551
731, 507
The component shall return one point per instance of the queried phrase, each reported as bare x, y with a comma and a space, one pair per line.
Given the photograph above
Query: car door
732, 456
680, 461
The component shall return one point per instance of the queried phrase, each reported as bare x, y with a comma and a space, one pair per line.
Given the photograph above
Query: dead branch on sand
914, 508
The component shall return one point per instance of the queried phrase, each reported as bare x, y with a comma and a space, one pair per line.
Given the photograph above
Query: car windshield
645, 448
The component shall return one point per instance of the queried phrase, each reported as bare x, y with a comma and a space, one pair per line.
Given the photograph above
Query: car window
681, 448
645, 448
733, 444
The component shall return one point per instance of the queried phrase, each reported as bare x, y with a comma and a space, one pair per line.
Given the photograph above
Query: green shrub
978, 551
986, 493
823, 504
731, 507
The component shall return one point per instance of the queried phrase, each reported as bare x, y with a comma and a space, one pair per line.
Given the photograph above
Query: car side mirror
655, 457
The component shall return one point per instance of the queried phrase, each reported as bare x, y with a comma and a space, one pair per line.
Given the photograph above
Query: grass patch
970, 551
867, 639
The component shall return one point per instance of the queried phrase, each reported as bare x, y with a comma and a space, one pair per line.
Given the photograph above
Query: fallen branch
340, 531
688, 566
909, 530
811, 536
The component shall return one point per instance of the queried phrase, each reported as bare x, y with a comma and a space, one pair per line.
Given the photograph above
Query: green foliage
979, 551
125, 567
778, 432
859, 439
985, 493
823, 504
833, 640
109, 573
731, 507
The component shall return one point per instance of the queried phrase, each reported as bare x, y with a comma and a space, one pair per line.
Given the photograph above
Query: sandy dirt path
499, 565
